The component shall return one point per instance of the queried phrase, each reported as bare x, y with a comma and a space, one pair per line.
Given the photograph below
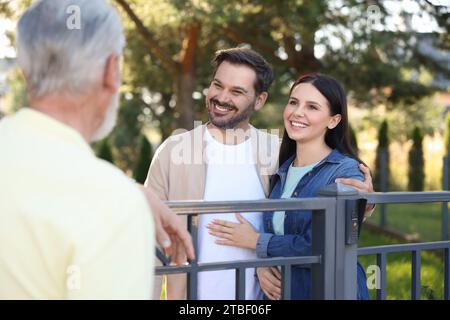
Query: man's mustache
225, 105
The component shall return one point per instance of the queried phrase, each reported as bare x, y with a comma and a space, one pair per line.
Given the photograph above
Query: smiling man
226, 159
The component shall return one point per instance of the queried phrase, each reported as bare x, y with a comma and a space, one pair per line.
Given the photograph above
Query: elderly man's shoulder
108, 178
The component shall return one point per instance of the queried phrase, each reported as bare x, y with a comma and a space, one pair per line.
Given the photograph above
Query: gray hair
54, 56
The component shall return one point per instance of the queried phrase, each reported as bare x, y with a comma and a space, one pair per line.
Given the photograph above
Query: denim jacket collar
334, 157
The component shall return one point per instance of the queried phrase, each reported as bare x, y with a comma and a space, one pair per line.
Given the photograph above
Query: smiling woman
314, 153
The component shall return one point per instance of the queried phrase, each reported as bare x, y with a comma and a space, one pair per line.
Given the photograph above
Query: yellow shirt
71, 226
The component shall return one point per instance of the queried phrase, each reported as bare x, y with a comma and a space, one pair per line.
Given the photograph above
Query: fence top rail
406, 197
201, 207
408, 247
321, 203
239, 264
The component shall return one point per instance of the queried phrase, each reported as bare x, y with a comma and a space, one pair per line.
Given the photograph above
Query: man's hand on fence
242, 234
170, 233
270, 282
365, 186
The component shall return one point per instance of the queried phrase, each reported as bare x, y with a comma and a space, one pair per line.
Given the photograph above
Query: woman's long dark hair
336, 138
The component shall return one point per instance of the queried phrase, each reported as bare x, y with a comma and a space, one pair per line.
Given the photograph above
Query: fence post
445, 186
192, 277
346, 237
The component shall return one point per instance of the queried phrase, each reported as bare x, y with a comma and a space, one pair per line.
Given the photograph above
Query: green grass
399, 270
422, 220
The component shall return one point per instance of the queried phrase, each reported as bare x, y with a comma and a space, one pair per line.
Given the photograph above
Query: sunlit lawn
423, 220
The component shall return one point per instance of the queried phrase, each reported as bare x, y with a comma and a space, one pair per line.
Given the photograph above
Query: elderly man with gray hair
73, 226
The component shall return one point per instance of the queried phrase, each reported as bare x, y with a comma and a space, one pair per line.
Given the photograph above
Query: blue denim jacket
296, 240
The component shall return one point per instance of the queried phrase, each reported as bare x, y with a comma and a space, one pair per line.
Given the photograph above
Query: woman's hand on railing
270, 282
242, 234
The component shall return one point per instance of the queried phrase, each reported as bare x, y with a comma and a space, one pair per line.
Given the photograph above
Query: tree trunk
185, 102
186, 79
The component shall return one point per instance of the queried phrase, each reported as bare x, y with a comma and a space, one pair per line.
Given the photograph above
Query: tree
145, 158
290, 34
382, 158
179, 65
366, 58
447, 133
416, 170
170, 44
447, 144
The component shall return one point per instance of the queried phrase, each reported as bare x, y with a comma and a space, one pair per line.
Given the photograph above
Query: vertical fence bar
415, 283
286, 276
381, 262
240, 284
162, 257
323, 245
447, 274
192, 277
445, 186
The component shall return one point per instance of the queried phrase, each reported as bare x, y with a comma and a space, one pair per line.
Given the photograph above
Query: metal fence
381, 252
336, 217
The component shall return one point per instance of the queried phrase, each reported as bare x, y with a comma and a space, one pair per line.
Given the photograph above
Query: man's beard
110, 119
234, 121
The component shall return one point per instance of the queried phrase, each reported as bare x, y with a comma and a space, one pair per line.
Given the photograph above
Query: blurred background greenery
391, 56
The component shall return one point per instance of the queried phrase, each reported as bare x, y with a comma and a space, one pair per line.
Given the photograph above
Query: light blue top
294, 175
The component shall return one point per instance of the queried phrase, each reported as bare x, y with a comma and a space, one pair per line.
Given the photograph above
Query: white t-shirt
231, 175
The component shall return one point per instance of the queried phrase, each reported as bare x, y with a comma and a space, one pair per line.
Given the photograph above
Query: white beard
109, 122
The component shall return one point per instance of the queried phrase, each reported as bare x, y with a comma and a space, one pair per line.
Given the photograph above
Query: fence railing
336, 217
415, 249
383, 187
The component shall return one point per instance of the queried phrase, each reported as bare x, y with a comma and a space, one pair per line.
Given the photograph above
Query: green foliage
418, 220
104, 151
382, 148
416, 169
425, 113
447, 144
16, 97
125, 136
145, 158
